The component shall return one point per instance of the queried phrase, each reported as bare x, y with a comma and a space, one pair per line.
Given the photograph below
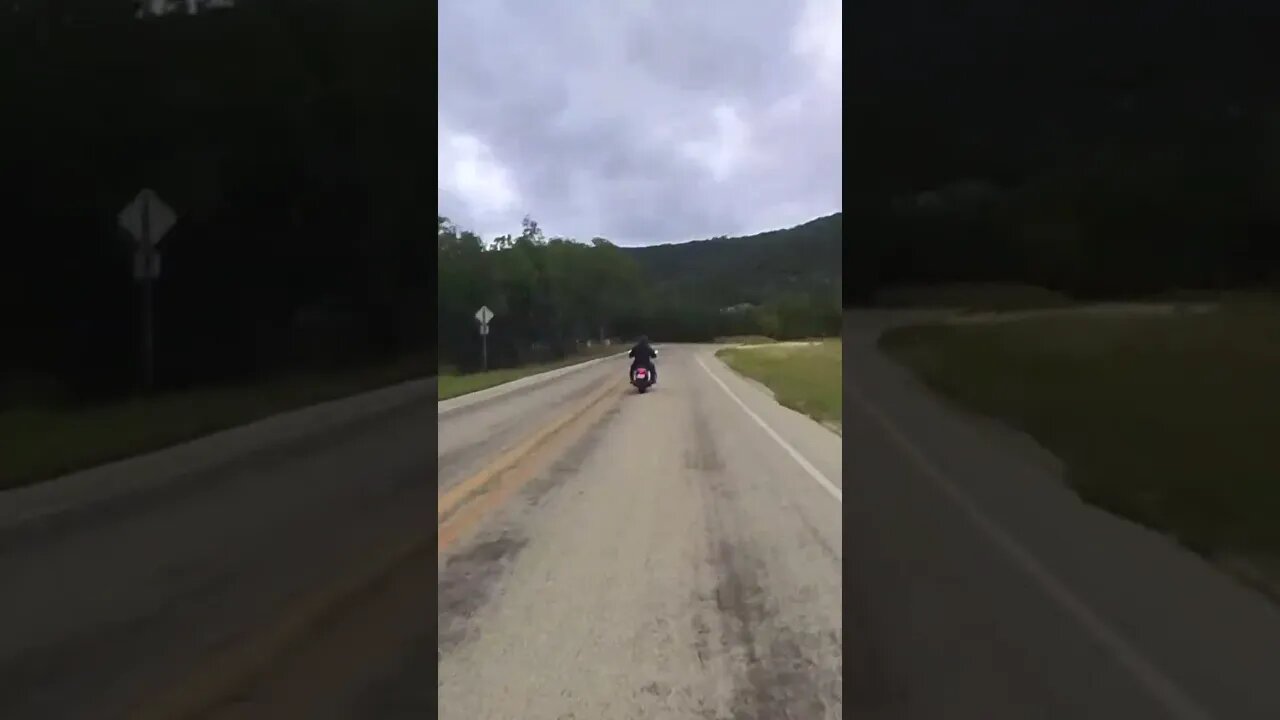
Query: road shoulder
1210, 636
812, 440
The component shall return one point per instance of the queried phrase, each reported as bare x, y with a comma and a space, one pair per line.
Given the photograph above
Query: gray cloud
639, 121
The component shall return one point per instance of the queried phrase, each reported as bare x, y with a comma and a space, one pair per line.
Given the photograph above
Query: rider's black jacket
642, 354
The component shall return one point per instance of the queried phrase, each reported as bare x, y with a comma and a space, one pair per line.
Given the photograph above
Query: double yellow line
458, 509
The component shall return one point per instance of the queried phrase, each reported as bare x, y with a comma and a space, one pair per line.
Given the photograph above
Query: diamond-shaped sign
159, 217
484, 314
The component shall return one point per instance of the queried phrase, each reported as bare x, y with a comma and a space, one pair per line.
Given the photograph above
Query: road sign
147, 217
484, 315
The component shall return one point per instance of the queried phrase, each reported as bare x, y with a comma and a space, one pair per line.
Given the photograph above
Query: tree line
287, 138
283, 134
553, 295
1148, 163
1117, 221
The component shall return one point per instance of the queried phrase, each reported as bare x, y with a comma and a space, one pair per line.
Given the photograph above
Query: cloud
471, 178
642, 121
723, 151
818, 38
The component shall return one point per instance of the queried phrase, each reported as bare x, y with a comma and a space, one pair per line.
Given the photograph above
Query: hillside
726, 271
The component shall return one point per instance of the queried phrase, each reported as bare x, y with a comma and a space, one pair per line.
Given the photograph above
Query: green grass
453, 385
1172, 421
1232, 297
745, 340
39, 443
806, 378
972, 297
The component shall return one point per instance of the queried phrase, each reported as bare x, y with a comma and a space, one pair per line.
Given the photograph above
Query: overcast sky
642, 121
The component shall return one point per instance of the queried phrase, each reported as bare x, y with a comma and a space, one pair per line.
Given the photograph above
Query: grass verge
746, 340
1168, 420
39, 443
972, 297
803, 377
452, 385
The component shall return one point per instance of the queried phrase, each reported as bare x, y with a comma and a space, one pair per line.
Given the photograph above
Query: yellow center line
463, 506
450, 500
225, 673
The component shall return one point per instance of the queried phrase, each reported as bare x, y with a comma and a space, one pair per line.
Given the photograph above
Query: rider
642, 355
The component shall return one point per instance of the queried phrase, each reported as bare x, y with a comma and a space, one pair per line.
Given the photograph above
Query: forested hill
549, 294
727, 271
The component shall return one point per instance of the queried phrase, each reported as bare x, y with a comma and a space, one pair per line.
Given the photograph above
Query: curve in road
678, 561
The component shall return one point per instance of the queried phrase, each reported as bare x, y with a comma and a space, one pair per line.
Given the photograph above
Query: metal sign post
148, 334
147, 218
484, 315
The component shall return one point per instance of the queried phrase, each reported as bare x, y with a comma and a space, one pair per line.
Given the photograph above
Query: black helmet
644, 339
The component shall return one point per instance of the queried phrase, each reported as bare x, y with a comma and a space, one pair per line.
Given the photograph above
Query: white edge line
1157, 684
814, 473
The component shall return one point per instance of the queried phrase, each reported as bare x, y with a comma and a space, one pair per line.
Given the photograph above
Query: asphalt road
676, 561
977, 585
658, 556
127, 606
678, 554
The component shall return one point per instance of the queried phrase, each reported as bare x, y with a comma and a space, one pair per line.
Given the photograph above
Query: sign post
148, 283
147, 218
484, 315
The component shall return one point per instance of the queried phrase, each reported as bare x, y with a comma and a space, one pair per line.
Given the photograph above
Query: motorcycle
641, 379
